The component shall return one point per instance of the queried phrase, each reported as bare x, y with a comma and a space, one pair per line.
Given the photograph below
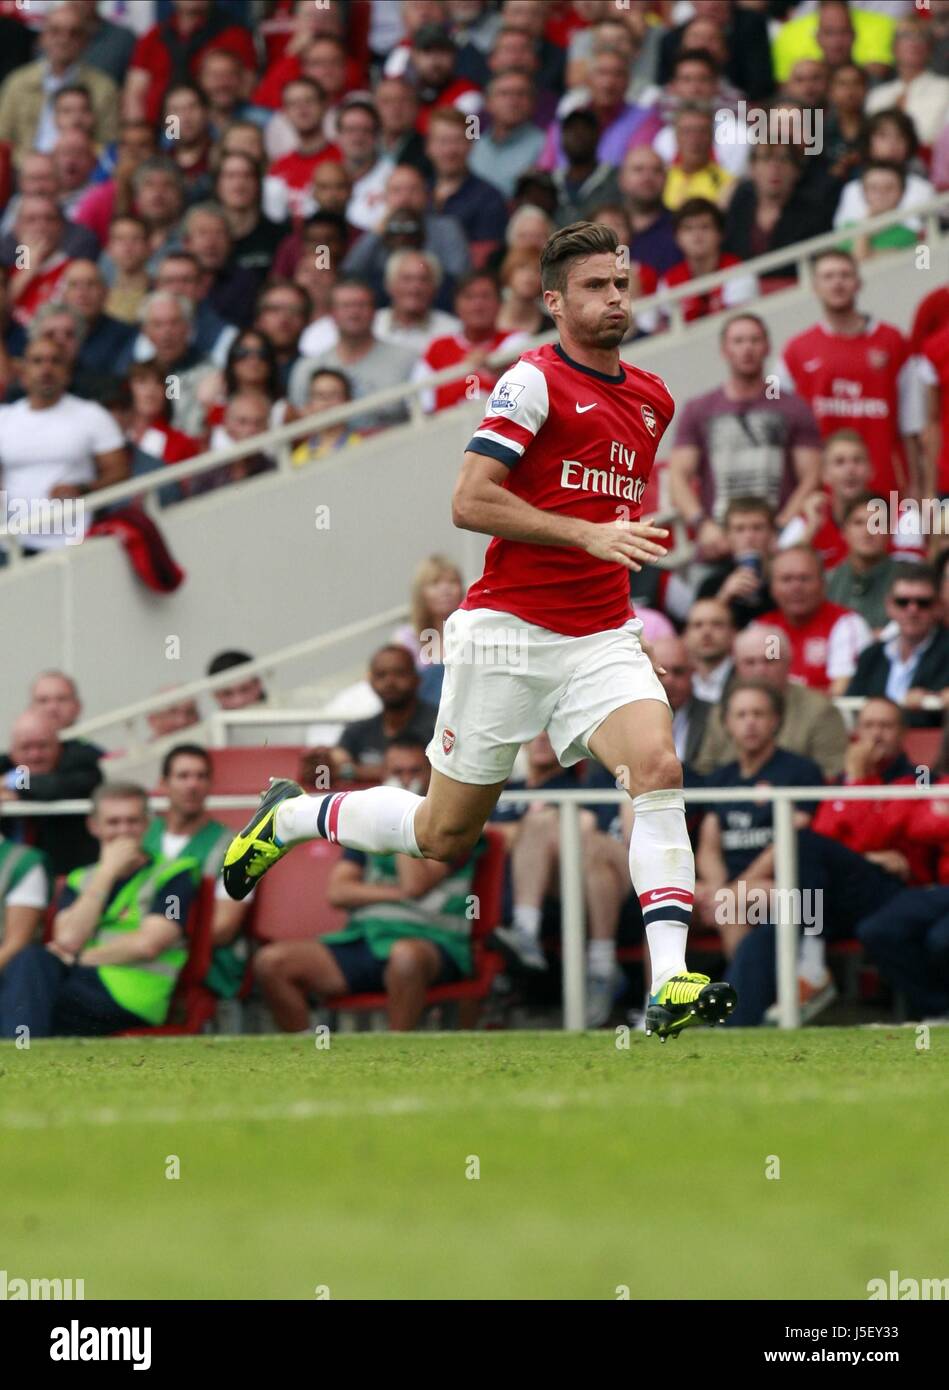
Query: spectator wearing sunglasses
251, 366
914, 662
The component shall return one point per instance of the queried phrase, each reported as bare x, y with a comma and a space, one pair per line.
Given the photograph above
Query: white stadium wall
261, 575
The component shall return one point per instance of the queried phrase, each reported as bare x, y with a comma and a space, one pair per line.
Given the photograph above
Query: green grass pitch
346, 1168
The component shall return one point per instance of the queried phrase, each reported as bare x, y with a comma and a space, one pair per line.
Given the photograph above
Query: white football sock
527, 920
601, 958
662, 868
811, 960
379, 820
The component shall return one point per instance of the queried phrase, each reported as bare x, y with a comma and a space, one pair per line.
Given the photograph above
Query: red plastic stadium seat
192, 1005
238, 770
488, 888
922, 746
290, 901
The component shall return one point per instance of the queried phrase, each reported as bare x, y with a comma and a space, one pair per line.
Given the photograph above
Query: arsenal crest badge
448, 740
649, 418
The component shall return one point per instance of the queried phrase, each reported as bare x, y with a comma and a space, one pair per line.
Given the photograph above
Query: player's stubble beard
603, 335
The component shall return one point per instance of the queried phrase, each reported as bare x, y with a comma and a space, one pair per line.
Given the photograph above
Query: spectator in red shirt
850, 367
826, 639
477, 301
932, 314
845, 474
39, 231
908, 939
699, 231
934, 373
432, 68
849, 862
149, 429
172, 52
287, 185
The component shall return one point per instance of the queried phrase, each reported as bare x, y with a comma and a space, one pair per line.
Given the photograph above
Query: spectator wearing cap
286, 187
41, 767
642, 178
106, 339
411, 321
432, 68
26, 100
408, 223
177, 42
478, 207
477, 301
862, 580
622, 124
511, 144
914, 662
371, 365
584, 182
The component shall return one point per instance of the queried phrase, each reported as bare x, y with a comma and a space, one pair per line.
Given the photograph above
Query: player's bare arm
482, 503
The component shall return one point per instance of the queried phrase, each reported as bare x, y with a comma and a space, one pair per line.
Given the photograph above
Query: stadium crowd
219, 217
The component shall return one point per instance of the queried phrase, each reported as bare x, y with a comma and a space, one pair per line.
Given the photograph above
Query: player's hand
648, 649
629, 543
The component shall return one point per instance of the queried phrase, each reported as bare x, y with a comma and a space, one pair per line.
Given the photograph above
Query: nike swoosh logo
582, 409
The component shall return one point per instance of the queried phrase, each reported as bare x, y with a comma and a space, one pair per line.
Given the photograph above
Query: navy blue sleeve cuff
493, 450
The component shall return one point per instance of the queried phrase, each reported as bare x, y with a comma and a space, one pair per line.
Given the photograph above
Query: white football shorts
506, 681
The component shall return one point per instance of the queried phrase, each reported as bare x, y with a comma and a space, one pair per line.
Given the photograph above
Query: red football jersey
448, 351
935, 372
825, 647
855, 382
578, 443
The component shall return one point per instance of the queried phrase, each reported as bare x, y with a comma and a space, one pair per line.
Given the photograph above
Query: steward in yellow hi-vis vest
117, 980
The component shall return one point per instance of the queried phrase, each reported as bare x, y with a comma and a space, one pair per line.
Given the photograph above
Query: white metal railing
256, 716
573, 908
279, 439
260, 666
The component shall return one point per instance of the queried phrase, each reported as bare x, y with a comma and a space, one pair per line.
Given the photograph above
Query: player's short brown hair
568, 245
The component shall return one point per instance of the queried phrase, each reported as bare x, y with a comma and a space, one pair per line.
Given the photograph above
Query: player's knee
446, 843
660, 771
